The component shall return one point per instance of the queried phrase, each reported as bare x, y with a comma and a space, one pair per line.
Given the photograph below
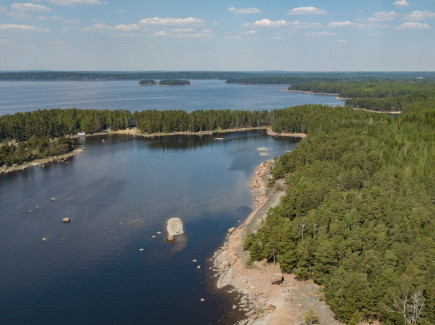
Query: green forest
39, 134
147, 82
174, 82
358, 214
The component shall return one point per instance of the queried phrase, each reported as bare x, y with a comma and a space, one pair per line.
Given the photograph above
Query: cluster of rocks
256, 183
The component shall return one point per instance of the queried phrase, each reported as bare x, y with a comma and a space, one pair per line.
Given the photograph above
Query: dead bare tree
409, 306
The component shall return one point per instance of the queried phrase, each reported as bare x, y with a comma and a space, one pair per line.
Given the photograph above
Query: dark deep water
118, 194
24, 96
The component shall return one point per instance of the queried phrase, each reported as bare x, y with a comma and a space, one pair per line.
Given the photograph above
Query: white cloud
18, 27
77, 2
244, 11
121, 11
182, 30
277, 38
266, 23
383, 16
307, 11
97, 27
3, 9
401, 3
300, 25
101, 27
346, 23
181, 33
233, 37
156, 21
251, 32
372, 26
127, 35
206, 31
5, 41
413, 25
129, 27
57, 18
29, 7
342, 41
321, 34
160, 33
420, 15
68, 29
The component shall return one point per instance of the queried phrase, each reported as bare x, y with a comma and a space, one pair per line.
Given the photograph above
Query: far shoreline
313, 93
135, 132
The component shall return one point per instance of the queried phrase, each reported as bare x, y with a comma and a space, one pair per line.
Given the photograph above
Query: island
147, 82
174, 82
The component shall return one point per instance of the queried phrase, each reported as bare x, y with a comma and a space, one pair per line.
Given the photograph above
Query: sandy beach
262, 302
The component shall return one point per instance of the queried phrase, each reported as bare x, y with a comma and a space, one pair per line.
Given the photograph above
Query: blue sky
338, 35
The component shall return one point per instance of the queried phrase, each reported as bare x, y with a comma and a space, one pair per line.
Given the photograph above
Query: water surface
20, 96
119, 194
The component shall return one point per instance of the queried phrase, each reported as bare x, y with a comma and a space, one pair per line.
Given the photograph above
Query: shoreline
262, 302
41, 162
135, 132
313, 93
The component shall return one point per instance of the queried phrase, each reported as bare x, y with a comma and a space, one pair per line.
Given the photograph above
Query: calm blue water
20, 96
118, 194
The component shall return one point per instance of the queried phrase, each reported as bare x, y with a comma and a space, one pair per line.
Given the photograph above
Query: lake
23, 96
118, 194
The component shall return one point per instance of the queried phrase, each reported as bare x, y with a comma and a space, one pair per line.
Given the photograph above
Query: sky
221, 35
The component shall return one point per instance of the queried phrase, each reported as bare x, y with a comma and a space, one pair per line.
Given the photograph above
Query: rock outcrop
174, 227
277, 278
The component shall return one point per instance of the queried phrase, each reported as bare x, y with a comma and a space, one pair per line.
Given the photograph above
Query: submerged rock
231, 230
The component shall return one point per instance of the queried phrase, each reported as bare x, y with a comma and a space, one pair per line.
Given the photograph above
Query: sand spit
262, 302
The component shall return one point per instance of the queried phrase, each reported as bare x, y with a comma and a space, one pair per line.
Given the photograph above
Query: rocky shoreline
40, 162
265, 296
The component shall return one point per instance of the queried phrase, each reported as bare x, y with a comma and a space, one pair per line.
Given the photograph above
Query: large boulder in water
174, 227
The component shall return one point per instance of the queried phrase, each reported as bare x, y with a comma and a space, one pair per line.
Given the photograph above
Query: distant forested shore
174, 82
253, 77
